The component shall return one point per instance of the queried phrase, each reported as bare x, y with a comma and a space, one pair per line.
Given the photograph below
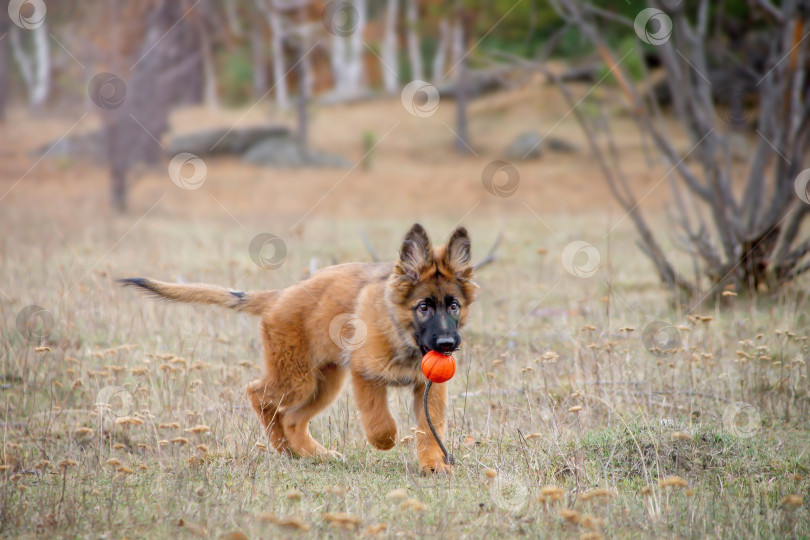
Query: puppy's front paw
435, 465
384, 440
334, 455
329, 455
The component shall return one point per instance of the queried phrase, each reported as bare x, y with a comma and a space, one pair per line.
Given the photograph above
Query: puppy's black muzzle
446, 344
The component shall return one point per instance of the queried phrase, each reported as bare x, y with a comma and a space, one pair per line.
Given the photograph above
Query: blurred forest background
731, 73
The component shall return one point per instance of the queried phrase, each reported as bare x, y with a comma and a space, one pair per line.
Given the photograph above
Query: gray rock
221, 141
85, 146
555, 144
479, 82
525, 146
286, 153
316, 158
276, 153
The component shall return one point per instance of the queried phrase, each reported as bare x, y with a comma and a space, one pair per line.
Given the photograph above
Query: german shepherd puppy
405, 308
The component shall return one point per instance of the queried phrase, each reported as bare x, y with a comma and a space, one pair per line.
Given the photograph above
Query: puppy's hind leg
329, 381
261, 396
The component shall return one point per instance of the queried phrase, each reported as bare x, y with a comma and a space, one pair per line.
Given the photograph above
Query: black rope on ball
448, 457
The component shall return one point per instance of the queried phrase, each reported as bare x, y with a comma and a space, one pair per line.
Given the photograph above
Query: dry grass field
128, 418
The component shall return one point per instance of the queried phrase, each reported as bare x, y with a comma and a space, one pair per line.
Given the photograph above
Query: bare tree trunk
168, 71
412, 37
210, 94
303, 98
277, 34
119, 166
440, 58
348, 69
234, 24
356, 67
390, 66
35, 69
462, 123
4, 39
304, 76
337, 60
457, 42
42, 79
279, 67
118, 185
21, 59
462, 84
259, 60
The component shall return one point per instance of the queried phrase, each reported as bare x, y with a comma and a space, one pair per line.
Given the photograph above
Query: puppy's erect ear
457, 256
415, 254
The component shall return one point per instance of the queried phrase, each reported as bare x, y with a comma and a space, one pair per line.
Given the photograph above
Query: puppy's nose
446, 342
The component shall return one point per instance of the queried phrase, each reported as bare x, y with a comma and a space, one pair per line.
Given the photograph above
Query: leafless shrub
741, 234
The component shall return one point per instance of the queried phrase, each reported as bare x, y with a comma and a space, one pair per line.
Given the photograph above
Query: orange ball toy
437, 367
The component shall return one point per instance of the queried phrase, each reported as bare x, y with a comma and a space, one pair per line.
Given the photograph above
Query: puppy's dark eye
423, 307
454, 306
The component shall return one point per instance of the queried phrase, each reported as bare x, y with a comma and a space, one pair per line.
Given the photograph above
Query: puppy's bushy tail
253, 302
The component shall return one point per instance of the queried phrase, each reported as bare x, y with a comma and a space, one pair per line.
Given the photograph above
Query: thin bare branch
490, 256
771, 10
369, 247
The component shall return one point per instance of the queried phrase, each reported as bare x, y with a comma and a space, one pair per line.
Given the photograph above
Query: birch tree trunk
457, 43
440, 58
347, 58
462, 80
412, 38
390, 66
282, 96
356, 68
269, 8
337, 59
210, 95
21, 59
42, 73
302, 70
35, 69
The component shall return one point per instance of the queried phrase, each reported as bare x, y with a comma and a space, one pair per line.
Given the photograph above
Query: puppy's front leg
372, 402
428, 452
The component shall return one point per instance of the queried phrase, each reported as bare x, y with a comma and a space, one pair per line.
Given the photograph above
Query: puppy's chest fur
394, 366
388, 355
404, 368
